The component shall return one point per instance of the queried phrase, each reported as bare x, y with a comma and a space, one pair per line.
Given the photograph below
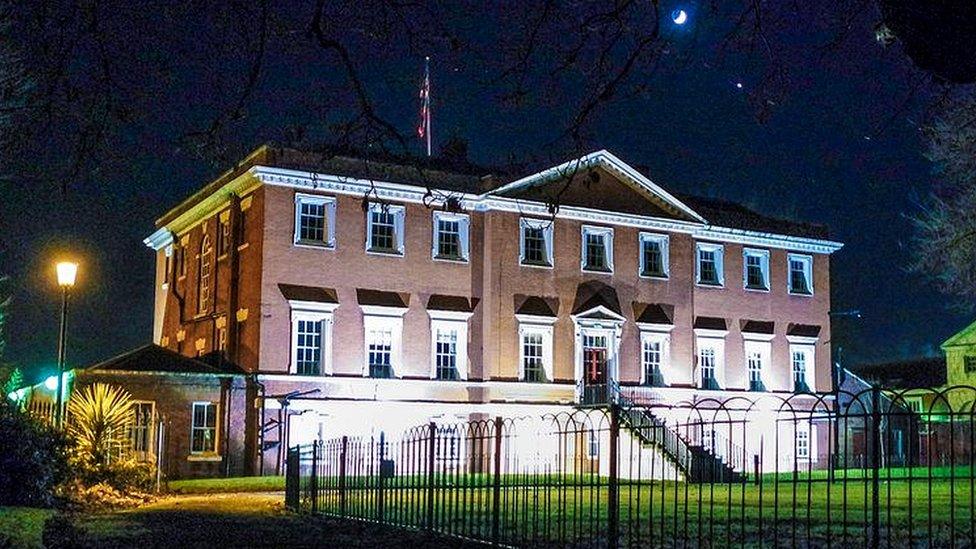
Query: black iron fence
868, 469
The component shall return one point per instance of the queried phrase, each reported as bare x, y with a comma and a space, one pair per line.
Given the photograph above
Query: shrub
33, 459
99, 418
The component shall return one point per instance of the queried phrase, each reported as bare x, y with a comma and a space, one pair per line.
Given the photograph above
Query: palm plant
98, 419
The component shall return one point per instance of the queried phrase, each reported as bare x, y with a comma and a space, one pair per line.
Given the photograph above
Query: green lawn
22, 526
223, 485
807, 512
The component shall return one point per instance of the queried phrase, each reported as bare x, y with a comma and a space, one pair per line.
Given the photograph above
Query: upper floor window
384, 228
224, 239
535, 242
315, 220
204, 282
755, 269
654, 255
203, 429
597, 249
710, 264
450, 236
801, 274
167, 264
181, 256
969, 364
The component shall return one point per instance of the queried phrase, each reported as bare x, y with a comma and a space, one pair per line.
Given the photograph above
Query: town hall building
342, 295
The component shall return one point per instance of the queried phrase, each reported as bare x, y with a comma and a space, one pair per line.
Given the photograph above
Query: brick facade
257, 317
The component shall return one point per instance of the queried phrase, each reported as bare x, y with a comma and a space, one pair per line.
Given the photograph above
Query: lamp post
67, 271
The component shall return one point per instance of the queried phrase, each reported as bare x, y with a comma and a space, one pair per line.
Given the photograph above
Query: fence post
342, 475
875, 466
613, 502
313, 480
431, 455
496, 491
382, 477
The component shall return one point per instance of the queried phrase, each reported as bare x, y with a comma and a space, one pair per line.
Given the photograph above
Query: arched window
204, 282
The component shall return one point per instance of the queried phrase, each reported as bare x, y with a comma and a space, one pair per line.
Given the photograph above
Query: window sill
383, 252
709, 284
651, 276
204, 457
758, 289
535, 265
314, 245
597, 271
450, 259
801, 294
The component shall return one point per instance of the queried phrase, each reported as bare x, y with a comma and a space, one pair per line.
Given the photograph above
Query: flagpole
427, 78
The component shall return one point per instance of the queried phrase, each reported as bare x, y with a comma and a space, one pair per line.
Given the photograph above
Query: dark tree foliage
101, 69
945, 238
33, 459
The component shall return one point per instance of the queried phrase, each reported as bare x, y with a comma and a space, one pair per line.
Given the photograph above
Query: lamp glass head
67, 271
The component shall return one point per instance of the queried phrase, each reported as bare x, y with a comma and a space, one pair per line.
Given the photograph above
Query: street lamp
67, 272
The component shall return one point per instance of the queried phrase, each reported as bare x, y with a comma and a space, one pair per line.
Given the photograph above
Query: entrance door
595, 389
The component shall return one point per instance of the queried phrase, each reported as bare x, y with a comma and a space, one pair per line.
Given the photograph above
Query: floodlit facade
363, 296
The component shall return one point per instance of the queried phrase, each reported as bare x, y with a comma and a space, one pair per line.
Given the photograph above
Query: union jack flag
423, 129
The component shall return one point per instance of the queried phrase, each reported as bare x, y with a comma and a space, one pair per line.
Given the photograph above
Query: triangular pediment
599, 313
600, 181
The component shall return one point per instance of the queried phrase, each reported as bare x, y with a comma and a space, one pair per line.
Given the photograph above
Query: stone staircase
698, 463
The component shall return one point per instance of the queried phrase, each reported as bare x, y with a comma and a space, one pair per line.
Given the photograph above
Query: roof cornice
386, 190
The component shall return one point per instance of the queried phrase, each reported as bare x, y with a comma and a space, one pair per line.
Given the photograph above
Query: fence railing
809, 470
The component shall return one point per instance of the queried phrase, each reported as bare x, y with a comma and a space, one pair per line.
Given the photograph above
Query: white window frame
607, 234
810, 431
315, 312
464, 222
659, 333
807, 269
216, 427
806, 346
710, 339
329, 204
763, 256
540, 325
377, 318
719, 251
761, 344
546, 226
664, 241
399, 214
449, 320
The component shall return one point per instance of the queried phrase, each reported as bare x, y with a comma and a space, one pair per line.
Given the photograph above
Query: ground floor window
532, 363
379, 345
203, 435
802, 442
446, 353
140, 432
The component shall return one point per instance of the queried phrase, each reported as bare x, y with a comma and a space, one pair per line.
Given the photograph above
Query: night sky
843, 147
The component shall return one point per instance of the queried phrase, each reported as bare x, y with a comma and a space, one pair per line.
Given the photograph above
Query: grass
810, 512
225, 485
22, 526
237, 520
